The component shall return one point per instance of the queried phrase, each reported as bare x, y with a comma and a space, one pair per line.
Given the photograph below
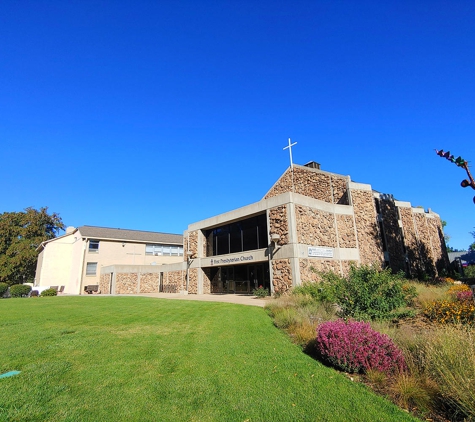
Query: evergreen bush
3, 288
19, 290
49, 292
355, 347
366, 293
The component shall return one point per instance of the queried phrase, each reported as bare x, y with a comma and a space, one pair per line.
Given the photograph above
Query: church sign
314, 251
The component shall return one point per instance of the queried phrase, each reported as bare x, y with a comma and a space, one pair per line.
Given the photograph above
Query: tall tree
471, 247
20, 234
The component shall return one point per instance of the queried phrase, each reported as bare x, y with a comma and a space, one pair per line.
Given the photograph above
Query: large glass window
167, 250
235, 237
240, 236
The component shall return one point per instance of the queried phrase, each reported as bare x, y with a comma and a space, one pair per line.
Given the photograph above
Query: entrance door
259, 276
240, 278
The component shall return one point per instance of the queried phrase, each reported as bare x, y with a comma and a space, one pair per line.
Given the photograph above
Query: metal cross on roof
290, 150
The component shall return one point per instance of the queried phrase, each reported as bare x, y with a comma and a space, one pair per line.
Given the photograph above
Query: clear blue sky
153, 115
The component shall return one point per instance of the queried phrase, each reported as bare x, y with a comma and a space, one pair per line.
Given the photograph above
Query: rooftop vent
313, 165
70, 229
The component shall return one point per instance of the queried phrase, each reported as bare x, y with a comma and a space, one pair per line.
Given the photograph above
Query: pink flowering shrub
355, 347
464, 295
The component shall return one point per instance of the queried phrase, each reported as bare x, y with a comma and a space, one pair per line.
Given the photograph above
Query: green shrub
19, 290
260, 292
469, 271
3, 288
366, 293
49, 292
324, 291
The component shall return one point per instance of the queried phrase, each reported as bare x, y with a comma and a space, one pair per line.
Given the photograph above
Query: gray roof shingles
99, 233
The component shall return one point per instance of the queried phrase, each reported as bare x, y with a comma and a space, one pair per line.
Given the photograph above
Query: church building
309, 221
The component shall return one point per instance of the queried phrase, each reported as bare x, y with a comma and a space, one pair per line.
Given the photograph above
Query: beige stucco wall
59, 263
121, 253
63, 261
54, 262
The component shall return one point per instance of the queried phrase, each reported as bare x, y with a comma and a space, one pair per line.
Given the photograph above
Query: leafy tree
472, 245
446, 236
20, 234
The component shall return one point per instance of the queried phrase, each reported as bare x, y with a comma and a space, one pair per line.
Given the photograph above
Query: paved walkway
227, 298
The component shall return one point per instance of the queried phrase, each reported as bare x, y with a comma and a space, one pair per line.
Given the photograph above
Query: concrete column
293, 240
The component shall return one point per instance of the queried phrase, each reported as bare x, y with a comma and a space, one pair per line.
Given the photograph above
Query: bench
92, 288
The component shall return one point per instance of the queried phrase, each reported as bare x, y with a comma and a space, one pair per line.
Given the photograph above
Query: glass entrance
241, 278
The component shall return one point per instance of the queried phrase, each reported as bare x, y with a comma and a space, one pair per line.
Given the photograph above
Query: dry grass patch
450, 359
299, 316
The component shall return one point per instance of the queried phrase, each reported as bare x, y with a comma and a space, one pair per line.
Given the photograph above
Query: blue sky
152, 115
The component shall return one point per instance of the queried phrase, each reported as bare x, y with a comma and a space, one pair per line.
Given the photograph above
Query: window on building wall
239, 236
167, 250
91, 268
93, 246
153, 250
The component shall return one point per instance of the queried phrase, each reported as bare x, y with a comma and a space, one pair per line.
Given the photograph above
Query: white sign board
320, 252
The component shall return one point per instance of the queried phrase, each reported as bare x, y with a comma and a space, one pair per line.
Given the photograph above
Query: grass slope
142, 359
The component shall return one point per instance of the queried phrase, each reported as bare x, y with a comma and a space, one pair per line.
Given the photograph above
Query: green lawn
143, 359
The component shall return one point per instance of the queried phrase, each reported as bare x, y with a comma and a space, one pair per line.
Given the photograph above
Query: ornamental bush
3, 288
465, 295
49, 292
355, 347
260, 292
456, 288
447, 311
366, 293
19, 290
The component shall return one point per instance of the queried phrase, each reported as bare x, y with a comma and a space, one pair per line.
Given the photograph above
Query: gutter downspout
82, 264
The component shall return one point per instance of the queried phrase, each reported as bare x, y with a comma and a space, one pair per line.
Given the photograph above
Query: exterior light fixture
274, 237
189, 260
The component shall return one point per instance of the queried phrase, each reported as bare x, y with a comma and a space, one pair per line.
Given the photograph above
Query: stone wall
191, 244
425, 247
393, 235
104, 283
173, 281
149, 282
346, 231
314, 184
439, 248
309, 268
340, 190
126, 283
424, 241
346, 265
193, 280
206, 281
279, 224
410, 239
369, 238
315, 227
212, 276
282, 275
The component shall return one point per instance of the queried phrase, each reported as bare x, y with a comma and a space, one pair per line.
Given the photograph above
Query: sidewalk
227, 298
